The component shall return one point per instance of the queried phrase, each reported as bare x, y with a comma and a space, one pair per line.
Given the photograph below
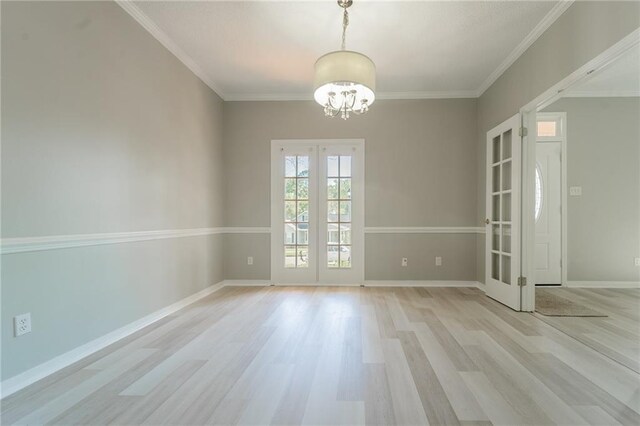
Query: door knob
487, 221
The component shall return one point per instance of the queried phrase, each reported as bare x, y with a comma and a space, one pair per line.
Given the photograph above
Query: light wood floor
617, 335
291, 355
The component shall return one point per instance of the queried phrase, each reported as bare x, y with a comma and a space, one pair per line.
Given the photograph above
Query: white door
548, 211
502, 259
317, 212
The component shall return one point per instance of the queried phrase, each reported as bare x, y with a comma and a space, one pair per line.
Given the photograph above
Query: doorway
317, 211
549, 194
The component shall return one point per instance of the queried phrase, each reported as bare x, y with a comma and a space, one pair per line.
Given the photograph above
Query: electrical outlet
405, 261
636, 261
22, 324
438, 261
250, 260
575, 191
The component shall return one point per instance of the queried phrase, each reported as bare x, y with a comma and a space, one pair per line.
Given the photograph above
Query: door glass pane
290, 256
332, 256
506, 176
506, 145
495, 237
496, 149
345, 166
506, 269
339, 211
506, 207
495, 208
303, 189
345, 233
495, 266
332, 211
506, 238
290, 166
289, 189
296, 211
495, 178
303, 211
302, 259
547, 129
345, 189
345, 256
289, 211
333, 166
345, 211
332, 189
303, 166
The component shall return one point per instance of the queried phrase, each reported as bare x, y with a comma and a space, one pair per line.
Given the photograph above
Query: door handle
487, 221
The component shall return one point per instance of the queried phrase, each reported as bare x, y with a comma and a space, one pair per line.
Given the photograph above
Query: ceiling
620, 78
266, 49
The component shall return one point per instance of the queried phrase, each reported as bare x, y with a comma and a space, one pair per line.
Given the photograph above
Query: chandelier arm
331, 104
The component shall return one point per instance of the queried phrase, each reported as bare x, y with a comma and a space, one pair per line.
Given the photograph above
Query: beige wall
420, 168
103, 130
603, 157
584, 31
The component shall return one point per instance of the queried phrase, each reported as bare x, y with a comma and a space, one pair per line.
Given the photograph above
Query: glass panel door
341, 195
317, 212
293, 207
503, 213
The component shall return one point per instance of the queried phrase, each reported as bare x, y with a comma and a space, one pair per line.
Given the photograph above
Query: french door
502, 253
317, 211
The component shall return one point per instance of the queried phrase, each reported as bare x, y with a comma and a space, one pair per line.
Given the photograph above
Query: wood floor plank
434, 400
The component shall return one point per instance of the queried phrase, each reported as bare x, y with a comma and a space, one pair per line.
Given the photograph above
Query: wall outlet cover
438, 261
405, 261
636, 261
575, 191
22, 324
250, 260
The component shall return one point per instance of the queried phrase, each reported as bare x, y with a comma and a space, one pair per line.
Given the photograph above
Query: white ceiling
620, 78
266, 49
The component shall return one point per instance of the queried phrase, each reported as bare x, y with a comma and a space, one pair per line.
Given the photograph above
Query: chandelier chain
345, 23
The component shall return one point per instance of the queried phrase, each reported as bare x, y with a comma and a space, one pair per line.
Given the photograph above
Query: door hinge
523, 131
522, 281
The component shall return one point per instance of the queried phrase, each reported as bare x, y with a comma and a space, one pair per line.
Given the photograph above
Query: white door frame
529, 112
562, 138
315, 146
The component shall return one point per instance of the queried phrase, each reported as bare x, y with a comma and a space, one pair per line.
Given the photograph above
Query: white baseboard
603, 284
245, 283
421, 283
22, 380
367, 283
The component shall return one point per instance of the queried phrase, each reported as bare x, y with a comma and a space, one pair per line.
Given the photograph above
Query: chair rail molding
58, 242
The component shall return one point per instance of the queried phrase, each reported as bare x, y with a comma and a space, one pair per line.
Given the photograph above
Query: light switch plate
438, 261
405, 261
575, 191
250, 260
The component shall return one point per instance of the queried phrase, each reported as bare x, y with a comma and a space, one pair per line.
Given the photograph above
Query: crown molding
602, 94
537, 31
168, 43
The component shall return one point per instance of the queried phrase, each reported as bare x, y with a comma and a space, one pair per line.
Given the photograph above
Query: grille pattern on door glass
339, 211
296, 211
501, 208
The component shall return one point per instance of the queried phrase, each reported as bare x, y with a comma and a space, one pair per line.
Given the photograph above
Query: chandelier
344, 80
